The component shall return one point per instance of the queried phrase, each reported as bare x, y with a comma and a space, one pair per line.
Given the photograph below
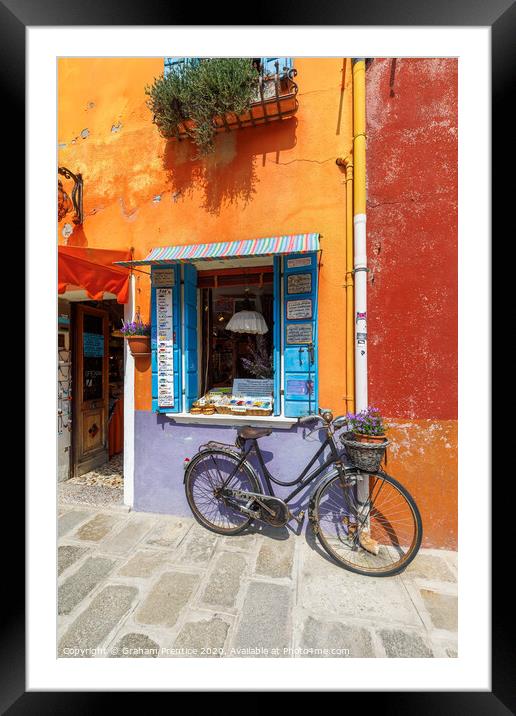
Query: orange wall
141, 191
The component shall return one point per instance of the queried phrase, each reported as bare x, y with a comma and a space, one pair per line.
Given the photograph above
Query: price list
165, 347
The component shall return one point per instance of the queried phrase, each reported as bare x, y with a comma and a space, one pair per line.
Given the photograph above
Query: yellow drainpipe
359, 234
347, 164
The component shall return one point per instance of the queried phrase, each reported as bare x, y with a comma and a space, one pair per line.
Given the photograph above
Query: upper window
267, 66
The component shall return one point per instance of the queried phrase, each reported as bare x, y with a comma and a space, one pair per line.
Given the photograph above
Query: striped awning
271, 246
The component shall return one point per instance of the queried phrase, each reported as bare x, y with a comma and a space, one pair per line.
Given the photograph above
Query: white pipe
360, 268
129, 415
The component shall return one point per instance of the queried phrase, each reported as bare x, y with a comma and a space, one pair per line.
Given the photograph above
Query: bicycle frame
303, 480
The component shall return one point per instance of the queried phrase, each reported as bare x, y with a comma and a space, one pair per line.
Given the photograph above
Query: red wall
412, 236
412, 296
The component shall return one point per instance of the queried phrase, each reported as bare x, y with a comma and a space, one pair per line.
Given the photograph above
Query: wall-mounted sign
253, 387
299, 283
299, 333
93, 345
299, 387
163, 278
165, 347
296, 263
301, 308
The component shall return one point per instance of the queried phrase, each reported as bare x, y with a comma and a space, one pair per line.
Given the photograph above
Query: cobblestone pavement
141, 585
103, 486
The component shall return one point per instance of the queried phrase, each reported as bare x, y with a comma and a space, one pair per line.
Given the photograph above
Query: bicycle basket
365, 456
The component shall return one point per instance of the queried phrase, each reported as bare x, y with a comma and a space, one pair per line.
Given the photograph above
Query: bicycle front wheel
379, 536
206, 474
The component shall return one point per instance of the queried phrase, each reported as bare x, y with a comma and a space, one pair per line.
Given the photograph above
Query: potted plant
365, 439
367, 426
137, 334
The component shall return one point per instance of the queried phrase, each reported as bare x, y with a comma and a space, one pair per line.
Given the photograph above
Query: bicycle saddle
249, 433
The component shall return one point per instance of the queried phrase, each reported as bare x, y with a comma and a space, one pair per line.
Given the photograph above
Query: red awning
93, 271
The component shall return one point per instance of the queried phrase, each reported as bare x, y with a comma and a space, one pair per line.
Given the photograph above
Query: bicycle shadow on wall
228, 176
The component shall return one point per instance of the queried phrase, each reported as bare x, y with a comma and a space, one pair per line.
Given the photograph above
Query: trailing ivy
201, 91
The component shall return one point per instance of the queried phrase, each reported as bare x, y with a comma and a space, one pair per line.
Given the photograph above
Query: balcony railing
276, 98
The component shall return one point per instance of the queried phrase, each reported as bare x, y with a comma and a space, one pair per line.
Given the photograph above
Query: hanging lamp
247, 321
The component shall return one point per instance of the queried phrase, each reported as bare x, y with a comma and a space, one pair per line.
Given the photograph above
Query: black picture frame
500, 16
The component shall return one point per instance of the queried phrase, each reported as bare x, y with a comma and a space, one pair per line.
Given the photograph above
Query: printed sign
253, 387
296, 263
299, 333
93, 345
165, 347
299, 387
163, 277
299, 309
299, 283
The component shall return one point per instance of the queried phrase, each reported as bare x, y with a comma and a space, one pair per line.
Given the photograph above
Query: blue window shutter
277, 335
190, 332
269, 65
176, 324
300, 360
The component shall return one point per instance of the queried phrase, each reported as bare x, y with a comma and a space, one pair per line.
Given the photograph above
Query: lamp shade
247, 322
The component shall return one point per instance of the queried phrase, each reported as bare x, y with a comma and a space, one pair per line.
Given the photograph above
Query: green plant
201, 91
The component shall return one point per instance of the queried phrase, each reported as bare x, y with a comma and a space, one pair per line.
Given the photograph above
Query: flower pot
374, 439
139, 345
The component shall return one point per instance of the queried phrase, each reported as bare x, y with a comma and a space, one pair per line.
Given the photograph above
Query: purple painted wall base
161, 445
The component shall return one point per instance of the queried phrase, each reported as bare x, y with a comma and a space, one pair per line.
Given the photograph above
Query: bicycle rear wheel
205, 475
377, 538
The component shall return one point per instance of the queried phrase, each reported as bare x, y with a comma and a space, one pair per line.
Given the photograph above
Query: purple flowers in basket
367, 422
135, 328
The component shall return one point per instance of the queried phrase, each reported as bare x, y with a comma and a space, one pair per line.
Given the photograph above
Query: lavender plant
368, 422
135, 328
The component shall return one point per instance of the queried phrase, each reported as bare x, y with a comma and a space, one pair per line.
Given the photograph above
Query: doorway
98, 381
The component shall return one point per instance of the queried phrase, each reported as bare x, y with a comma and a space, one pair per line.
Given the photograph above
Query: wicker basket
224, 409
365, 456
258, 411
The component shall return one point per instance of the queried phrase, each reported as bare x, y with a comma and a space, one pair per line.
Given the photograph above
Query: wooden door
91, 394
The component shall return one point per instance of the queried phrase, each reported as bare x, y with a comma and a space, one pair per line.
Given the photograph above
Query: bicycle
376, 536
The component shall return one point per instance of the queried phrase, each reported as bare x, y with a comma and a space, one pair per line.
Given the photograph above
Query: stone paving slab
169, 532
82, 582
276, 558
135, 646
143, 564
429, 566
127, 538
199, 546
95, 623
168, 597
335, 639
264, 629
97, 528
225, 581
202, 638
68, 554
327, 588
442, 609
403, 644
71, 519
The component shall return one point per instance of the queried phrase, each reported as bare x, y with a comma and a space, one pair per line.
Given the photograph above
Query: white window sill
262, 421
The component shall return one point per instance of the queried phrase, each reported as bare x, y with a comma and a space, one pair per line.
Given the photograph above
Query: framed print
346, 194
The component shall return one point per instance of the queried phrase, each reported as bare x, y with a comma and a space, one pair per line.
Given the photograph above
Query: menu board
297, 263
165, 347
301, 308
299, 283
253, 387
299, 333
163, 277
93, 345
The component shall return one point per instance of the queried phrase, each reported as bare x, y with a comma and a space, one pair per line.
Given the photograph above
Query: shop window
236, 341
